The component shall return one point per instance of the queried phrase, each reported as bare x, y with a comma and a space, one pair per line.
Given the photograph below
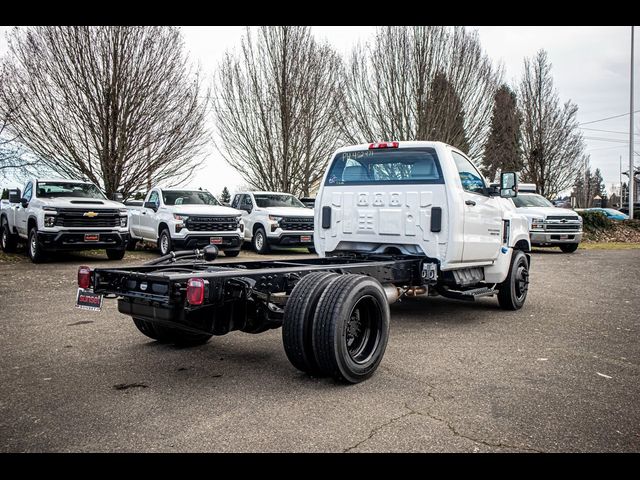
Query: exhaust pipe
415, 291
393, 293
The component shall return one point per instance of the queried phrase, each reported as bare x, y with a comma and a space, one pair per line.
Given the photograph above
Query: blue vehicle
611, 213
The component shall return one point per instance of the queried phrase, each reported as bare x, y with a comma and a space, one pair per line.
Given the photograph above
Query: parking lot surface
559, 375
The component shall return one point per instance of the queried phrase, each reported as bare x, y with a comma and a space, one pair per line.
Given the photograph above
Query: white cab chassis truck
178, 219
53, 215
392, 220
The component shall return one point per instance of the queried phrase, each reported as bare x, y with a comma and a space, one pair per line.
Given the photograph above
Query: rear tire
165, 245
311, 249
513, 291
297, 325
35, 251
351, 328
8, 240
260, 242
569, 247
231, 253
115, 253
146, 328
179, 337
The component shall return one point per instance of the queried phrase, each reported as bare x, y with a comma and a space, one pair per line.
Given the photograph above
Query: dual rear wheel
336, 325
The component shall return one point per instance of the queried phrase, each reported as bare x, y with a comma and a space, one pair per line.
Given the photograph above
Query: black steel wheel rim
362, 329
521, 279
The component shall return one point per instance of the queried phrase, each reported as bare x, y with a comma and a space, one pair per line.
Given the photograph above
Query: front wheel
131, 244
311, 249
351, 328
164, 242
36, 253
569, 247
260, 243
8, 239
115, 253
513, 291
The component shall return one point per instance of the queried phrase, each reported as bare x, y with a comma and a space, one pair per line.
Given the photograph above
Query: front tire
8, 240
351, 328
311, 249
165, 245
115, 253
35, 251
297, 325
569, 247
260, 242
513, 291
131, 244
231, 253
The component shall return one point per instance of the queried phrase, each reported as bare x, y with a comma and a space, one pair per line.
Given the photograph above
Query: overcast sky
590, 67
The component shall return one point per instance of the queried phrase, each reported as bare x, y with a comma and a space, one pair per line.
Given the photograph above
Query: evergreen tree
225, 197
445, 116
502, 151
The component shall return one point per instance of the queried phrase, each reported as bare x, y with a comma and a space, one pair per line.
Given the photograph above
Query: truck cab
549, 226
178, 219
417, 198
58, 214
275, 218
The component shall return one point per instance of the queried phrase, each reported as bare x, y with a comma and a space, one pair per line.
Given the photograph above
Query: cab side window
247, 204
236, 201
28, 191
154, 198
470, 177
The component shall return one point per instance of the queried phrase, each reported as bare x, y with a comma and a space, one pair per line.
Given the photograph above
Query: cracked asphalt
560, 375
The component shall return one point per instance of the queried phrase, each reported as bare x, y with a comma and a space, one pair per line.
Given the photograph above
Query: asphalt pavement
559, 375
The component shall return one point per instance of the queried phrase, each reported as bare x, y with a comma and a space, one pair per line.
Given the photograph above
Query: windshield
385, 166
277, 200
69, 189
531, 200
188, 197
613, 211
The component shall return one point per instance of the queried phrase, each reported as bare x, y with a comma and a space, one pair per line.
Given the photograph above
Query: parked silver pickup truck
63, 215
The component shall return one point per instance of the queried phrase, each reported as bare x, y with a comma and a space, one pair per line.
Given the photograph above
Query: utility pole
631, 169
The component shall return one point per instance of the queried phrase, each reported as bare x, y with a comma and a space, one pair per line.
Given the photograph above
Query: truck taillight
384, 145
195, 291
84, 276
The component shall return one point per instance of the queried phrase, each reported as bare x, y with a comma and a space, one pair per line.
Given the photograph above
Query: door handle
144, 213
470, 202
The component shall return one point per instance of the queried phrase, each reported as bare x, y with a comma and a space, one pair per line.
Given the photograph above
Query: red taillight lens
195, 291
384, 145
84, 276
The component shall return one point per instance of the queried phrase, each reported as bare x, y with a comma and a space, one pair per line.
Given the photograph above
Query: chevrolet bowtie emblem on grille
90, 214
564, 220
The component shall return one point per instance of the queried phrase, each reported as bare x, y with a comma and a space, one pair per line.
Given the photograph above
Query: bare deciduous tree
553, 147
390, 91
275, 108
117, 105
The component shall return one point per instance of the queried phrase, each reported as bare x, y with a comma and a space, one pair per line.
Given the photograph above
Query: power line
608, 118
608, 131
611, 140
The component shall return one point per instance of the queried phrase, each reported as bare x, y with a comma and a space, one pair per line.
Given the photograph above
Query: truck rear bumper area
559, 238
292, 240
228, 242
74, 240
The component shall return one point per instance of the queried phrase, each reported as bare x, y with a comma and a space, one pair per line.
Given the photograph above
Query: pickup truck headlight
275, 222
239, 223
537, 224
49, 221
180, 217
123, 221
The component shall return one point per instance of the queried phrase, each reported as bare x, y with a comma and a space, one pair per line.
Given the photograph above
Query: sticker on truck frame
87, 300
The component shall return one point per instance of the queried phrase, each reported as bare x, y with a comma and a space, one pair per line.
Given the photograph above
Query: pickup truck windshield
385, 166
188, 197
265, 201
531, 200
68, 189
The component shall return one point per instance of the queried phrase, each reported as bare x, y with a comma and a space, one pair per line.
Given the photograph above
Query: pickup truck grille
297, 223
68, 217
563, 217
565, 227
212, 224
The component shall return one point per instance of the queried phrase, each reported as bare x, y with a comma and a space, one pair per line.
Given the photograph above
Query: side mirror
152, 205
14, 195
24, 202
508, 185
118, 197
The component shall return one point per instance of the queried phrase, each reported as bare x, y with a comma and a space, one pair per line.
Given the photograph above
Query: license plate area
215, 240
305, 238
91, 237
87, 300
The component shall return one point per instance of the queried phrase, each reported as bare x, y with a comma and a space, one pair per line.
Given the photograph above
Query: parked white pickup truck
549, 225
275, 218
185, 219
63, 215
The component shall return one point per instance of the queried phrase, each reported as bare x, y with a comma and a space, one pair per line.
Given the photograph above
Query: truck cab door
22, 212
148, 221
482, 214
